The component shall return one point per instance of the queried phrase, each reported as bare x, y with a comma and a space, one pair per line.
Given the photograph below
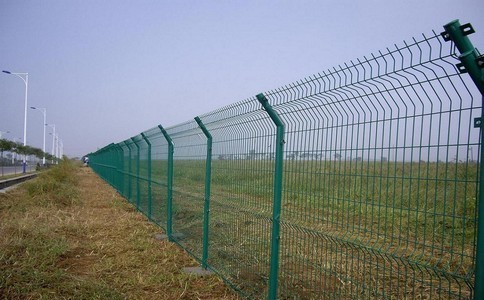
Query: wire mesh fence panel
241, 200
380, 180
124, 166
103, 164
188, 185
159, 177
131, 170
380, 171
142, 175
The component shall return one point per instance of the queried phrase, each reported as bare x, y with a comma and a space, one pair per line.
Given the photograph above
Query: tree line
10, 146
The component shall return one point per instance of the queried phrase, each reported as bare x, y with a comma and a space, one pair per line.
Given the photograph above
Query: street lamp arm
19, 75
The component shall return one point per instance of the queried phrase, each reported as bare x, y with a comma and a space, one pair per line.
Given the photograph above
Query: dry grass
75, 237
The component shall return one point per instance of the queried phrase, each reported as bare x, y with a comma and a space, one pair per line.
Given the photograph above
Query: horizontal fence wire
380, 181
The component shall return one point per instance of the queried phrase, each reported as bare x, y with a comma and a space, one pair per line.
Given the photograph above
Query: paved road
8, 170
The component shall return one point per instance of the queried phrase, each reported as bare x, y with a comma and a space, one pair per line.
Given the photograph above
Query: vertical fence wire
380, 177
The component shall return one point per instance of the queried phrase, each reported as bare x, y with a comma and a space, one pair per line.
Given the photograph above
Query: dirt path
81, 240
120, 248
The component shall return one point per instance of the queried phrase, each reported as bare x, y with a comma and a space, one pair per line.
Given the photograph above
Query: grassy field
349, 229
68, 235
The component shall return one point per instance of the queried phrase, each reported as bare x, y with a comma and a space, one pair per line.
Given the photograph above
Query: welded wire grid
242, 190
380, 181
188, 185
159, 176
381, 177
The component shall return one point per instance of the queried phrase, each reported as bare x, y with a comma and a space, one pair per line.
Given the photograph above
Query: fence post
129, 170
115, 167
169, 183
120, 169
473, 64
149, 173
208, 176
112, 170
105, 162
137, 174
125, 192
276, 206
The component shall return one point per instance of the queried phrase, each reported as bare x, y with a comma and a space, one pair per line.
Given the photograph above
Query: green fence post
149, 173
104, 169
276, 209
208, 176
114, 160
112, 164
125, 171
129, 170
101, 166
137, 174
473, 64
479, 276
120, 168
169, 198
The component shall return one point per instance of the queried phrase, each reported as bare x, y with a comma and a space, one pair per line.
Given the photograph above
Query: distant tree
5, 145
49, 157
337, 156
20, 149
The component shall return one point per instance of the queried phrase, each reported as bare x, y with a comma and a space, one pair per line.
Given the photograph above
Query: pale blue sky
107, 70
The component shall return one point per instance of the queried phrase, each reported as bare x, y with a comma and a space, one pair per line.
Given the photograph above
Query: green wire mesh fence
360, 182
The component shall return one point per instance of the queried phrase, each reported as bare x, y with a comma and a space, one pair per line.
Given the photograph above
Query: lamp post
44, 111
25, 79
57, 147
53, 141
61, 149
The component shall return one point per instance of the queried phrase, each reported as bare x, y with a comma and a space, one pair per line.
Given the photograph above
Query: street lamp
53, 141
61, 151
26, 81
59, 147
44, 111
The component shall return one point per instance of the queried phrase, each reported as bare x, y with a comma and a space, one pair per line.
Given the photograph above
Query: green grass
31, 246
67, 235
369, 223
